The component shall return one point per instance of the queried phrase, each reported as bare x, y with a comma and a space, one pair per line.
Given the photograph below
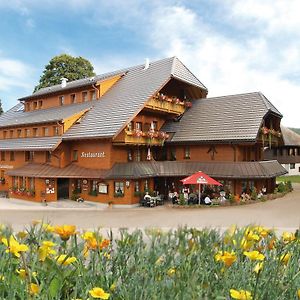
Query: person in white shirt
207, 200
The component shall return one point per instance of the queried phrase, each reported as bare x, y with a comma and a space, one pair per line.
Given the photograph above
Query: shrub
181, 199
281, 187
253, 194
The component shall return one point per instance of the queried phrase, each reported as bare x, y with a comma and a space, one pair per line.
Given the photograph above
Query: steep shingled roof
30, 144
72, 84
222, 119
290, 137
17, 116
127, 97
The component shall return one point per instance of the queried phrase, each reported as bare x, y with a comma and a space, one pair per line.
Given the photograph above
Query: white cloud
225, 65
14, 74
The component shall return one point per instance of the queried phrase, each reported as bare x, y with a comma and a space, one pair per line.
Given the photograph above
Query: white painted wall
295, 171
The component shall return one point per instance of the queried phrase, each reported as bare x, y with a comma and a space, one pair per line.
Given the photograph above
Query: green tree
1, 109
66, 66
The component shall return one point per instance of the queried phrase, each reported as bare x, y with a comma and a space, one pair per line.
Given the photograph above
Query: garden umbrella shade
200, 178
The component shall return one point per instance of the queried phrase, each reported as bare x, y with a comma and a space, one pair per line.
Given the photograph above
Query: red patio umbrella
200, 178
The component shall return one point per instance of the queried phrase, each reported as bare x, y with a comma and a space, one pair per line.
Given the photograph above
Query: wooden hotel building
111, 137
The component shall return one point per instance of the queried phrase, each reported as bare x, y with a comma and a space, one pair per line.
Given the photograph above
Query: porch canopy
47, 171
148, 169
237, 170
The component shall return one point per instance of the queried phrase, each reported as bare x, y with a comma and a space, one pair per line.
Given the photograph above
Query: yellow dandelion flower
284, 258
36, 222
259, 266
228, 258
88, 235
48, 227
64, 260
113, 287
240, 295
171, 272
288, 237
14, 246
46, 250
254, 255
65, 231
21, 234
33, 289
98, 293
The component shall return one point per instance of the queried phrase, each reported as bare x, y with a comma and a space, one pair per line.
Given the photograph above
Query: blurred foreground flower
13, 246
64, 260
254, 255
240, 295
65, 231
99, 293
228, 258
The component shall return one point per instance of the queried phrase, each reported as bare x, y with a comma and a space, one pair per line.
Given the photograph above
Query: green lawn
293, 179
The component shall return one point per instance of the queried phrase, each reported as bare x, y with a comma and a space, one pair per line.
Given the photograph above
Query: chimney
147, 64
64, 82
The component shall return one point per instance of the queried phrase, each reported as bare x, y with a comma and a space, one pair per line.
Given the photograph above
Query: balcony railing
269, 136
151, 137
167, 104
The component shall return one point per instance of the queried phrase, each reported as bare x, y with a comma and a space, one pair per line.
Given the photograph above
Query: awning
147, 169
47, 171
30, 144
254, 170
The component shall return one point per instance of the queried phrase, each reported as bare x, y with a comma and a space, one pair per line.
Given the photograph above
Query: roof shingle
222, 119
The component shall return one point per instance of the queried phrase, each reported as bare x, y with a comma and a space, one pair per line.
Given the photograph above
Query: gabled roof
181, 72
222, 119
17, 116
30, 144
290, 137
127, 98
72, 85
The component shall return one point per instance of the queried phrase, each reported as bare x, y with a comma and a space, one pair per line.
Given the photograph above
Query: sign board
93, 154
201, 180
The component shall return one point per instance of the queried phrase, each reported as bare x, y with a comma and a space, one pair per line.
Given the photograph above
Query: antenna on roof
147, 64
64, 82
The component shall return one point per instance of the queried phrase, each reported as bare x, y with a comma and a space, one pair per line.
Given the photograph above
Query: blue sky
232, 46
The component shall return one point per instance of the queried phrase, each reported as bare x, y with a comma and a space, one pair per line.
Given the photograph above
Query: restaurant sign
6, 167
93, 154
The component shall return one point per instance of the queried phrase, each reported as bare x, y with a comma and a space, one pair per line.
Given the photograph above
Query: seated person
175, 198
207, 200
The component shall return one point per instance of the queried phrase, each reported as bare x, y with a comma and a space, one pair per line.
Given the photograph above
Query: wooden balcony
270, 137
155, 138
168, 105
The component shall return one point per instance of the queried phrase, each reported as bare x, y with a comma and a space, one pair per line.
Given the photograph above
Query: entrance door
63, 188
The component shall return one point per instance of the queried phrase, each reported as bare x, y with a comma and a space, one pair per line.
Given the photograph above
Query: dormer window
73, 98
61, 100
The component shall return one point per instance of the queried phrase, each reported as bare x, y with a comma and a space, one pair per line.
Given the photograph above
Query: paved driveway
283, 214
